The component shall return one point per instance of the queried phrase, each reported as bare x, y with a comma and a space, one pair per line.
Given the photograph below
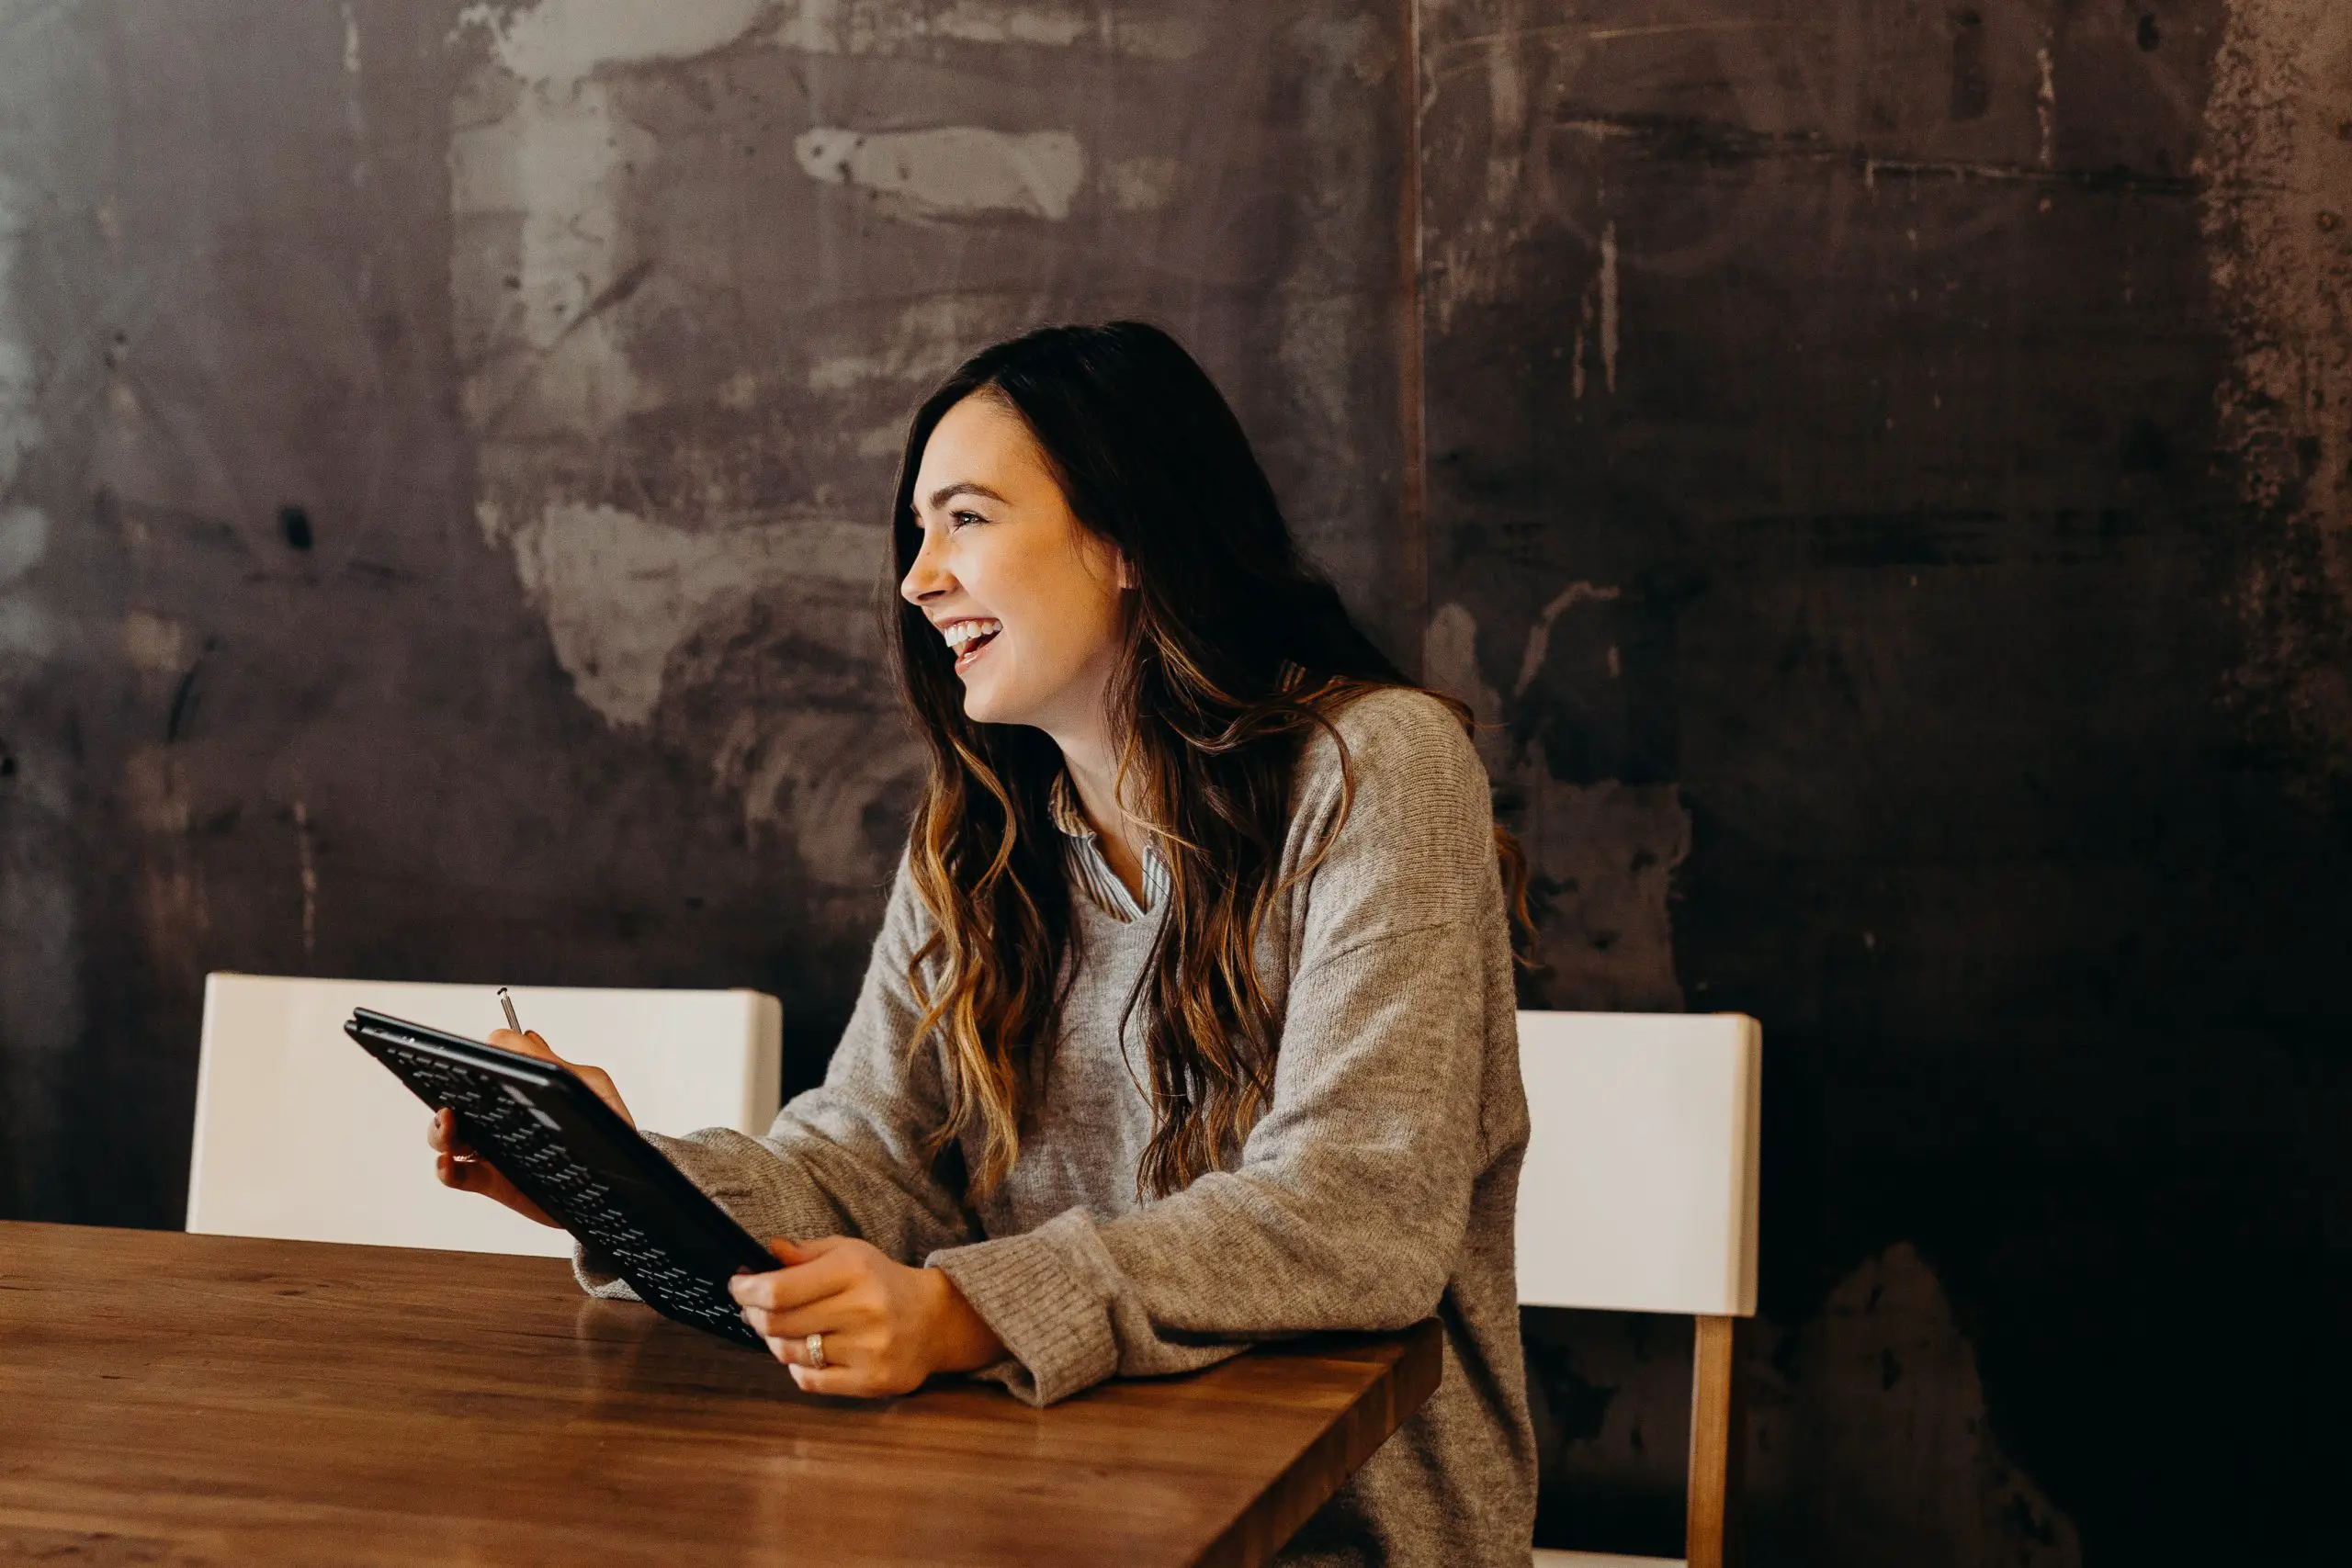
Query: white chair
1639, 1194
300, 1134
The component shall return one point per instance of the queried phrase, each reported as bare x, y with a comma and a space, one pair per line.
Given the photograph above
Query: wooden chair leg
1715, 1441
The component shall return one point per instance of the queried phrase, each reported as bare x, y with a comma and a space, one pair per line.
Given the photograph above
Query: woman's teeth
964, 636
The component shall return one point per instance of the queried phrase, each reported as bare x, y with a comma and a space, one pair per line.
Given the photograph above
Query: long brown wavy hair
1236, 652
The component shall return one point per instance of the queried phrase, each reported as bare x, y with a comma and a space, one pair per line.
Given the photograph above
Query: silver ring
816, 1342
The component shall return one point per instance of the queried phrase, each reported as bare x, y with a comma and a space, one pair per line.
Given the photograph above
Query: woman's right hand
458, 1165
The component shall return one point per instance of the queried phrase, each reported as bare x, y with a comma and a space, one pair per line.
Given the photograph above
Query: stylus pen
508, 1003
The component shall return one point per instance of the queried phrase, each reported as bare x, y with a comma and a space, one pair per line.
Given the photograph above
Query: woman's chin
981, 703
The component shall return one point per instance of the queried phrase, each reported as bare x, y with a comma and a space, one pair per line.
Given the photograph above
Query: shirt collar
1082, 852
1061, 804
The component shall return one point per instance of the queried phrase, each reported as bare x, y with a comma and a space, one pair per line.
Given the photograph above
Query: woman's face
1026, 595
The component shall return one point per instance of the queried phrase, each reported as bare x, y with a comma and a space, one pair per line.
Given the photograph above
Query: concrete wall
1883, 469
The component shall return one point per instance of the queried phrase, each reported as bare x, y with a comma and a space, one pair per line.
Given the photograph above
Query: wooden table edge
1400, 1370
1266, 1525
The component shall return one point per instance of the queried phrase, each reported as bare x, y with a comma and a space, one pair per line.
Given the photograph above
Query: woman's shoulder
1403, 754
1392, 727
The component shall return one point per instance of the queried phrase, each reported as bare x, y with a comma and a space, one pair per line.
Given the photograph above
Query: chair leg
1715, 1440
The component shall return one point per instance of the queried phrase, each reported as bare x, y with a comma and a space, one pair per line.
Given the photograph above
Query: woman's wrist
961, 1339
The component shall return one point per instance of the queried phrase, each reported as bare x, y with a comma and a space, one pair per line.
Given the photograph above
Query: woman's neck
1093, 768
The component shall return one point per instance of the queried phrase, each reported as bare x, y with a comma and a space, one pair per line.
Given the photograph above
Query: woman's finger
823, 1315
525, 1043
767, 1326
441, 1134
529, 1043
466, 1176
840, 1382
470, 1175
792, 1349
833, 1315
782, 1290
481, 1177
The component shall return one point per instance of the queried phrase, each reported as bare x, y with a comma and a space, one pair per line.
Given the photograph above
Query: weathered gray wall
1888, 480
443, 458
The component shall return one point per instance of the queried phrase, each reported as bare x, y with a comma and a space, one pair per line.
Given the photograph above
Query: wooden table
181, 1400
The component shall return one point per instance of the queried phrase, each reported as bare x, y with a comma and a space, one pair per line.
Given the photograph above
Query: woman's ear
1128, 578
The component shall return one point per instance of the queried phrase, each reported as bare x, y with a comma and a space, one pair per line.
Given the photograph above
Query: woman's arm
1352, 1197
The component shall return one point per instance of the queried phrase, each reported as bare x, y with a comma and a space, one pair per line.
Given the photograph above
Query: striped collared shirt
1083, 849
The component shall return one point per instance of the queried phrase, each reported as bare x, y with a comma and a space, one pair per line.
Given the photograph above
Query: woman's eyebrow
945, 493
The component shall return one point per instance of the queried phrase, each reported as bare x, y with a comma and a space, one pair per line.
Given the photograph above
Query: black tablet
575, 1157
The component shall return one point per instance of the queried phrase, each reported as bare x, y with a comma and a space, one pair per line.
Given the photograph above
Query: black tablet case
575, 1157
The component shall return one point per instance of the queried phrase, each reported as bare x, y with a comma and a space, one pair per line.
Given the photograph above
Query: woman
1191, 1019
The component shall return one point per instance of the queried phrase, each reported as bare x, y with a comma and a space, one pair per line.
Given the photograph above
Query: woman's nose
927, 577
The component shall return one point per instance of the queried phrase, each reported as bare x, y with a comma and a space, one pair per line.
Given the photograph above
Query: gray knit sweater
1378, 1190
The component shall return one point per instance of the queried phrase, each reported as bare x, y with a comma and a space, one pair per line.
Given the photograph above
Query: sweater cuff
716, 1169
598, 1275
1056, 1328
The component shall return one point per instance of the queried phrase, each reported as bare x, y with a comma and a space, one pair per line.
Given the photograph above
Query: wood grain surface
181, 1400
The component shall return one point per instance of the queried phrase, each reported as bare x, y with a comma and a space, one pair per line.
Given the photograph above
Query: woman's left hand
887, 1326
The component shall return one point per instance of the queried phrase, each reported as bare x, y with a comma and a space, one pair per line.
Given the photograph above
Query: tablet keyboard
502, 1116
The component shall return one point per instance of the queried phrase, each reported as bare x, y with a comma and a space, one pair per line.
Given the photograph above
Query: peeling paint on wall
1326, 344
542, 257
620, 592
1869, 1443
19, 418
557, 43
629, 543
39, 1007
677, 501
42, 1018
24, 539
863, 26
950, 171
1539, 636
2278, 223
1144, 184
2045, 108
27, 630
1607, 284
1601, 856
1921, 1478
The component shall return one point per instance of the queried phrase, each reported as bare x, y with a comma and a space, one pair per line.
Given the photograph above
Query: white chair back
302, 1134
1640, 1186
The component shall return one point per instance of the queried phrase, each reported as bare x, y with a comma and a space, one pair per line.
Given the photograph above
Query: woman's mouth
967, 638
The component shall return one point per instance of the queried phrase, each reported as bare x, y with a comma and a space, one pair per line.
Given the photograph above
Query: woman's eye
960, 518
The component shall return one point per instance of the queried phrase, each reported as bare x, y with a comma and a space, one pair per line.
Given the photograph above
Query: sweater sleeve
847, 1158
1349, 1206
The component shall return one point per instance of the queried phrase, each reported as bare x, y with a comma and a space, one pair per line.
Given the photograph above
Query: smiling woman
999, 547
1191, 1022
